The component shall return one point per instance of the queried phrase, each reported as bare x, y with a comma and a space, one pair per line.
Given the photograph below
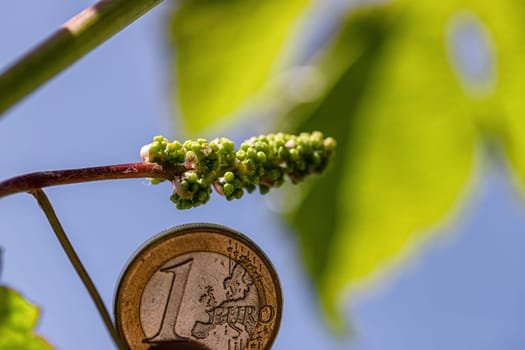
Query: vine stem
34, 181
73, 40
46, 206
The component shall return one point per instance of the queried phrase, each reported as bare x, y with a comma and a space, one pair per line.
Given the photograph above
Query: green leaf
406, 118
225, 51
18, 318
406, 147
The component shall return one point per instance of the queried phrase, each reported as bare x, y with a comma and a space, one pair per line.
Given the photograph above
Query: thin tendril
46, 206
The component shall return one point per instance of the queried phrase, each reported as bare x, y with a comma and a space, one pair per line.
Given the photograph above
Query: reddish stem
33, 181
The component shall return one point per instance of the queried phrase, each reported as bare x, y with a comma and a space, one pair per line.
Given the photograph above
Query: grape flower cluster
261, 161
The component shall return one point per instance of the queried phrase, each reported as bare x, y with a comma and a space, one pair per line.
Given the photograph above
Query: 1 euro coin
199, 286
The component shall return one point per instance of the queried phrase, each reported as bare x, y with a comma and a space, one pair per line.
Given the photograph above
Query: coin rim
211, 228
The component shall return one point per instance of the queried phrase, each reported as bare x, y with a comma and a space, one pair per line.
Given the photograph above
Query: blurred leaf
225, 52
400, 97
18, 318
406, 147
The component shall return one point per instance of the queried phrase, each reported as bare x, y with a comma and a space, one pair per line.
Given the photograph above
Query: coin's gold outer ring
173, 242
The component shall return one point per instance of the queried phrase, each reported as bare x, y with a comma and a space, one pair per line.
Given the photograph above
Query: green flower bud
228, 189
214, 147
261, 157
191, 177
250, 187
203, 197
264, 189
241, 155
294, 154
329, 143
238, 193
229, 176
251, 154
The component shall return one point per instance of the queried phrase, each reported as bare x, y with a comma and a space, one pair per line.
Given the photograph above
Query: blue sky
464, 291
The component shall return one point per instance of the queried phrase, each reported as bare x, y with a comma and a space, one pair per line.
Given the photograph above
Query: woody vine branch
37, 180
72, 41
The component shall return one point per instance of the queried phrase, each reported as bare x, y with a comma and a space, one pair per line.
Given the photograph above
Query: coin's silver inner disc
216, 295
